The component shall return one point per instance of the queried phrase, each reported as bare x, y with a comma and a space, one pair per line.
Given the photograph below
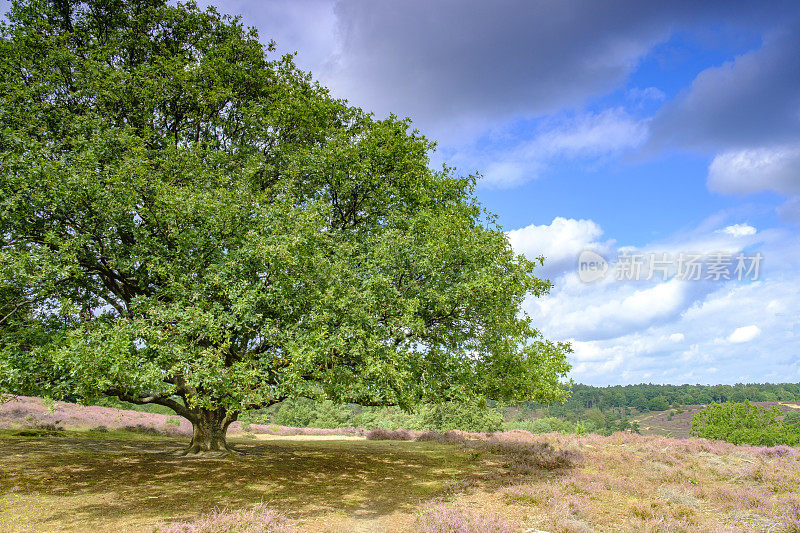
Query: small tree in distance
189, 222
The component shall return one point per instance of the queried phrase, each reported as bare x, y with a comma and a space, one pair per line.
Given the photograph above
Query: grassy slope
118, 481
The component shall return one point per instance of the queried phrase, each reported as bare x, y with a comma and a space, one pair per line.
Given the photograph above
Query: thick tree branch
156, 398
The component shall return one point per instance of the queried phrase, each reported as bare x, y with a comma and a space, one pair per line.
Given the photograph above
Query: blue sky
639, 127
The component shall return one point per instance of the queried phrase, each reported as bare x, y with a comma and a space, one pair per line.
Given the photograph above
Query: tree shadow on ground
108, 480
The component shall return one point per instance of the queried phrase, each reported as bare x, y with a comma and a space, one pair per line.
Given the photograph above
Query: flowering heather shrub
259, 519
524, 457
777, 451
540, 494
450, 437
349, 431
636, 483
29, 412
389, 434
47, 426
790, 506
456, 486
738, 497
441, 518
273, 429
523, 452
430, 436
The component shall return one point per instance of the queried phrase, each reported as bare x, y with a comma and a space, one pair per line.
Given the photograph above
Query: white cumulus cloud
748, 171
589, 137
744, 334
613, 309
739, 230
673, 331
560, 242
610, 131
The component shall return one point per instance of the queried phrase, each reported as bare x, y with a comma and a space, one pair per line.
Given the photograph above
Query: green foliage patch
745, 423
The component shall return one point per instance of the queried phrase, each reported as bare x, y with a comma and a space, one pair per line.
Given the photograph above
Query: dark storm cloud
463, 61
753, 100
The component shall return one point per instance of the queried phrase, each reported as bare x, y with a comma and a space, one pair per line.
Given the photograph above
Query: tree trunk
210, 427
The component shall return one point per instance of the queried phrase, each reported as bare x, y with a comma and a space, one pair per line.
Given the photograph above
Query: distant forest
650, 397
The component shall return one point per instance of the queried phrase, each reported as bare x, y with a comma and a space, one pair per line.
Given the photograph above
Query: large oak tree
189, 221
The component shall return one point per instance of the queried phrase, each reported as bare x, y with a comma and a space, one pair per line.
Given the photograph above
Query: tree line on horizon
651, 397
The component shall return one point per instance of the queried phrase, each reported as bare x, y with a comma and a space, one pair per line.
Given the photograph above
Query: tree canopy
187, 220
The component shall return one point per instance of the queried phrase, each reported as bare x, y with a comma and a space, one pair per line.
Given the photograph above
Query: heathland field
70, 468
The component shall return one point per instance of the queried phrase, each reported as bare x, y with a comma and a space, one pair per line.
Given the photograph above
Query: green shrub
659, 403
385, 418
743, 423
331, 415
295, 413
465, 416
792, 419
542, 425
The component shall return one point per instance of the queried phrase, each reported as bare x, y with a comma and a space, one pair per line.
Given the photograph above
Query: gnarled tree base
208, 437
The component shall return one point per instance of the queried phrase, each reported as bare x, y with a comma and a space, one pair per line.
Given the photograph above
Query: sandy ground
262, 436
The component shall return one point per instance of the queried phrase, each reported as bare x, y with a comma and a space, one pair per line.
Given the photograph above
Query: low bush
449, 437
389, 434
527, 457
541, 425
273, 429
142, 430
36, 433
48, 426
463, 416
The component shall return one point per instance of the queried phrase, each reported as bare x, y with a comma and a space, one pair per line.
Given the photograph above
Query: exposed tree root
201, 452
